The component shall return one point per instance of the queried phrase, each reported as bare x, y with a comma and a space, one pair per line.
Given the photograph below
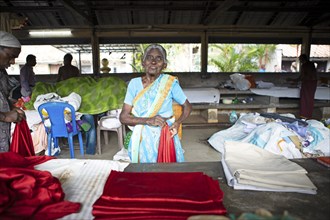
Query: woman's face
154, 63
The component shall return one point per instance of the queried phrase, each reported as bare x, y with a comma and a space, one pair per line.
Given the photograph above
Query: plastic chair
110, 122
55, 112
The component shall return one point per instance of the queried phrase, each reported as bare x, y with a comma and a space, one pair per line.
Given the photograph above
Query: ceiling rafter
184, 13
224, 6
71, 7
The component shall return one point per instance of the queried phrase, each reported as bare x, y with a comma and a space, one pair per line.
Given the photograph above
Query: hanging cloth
22, 140
166, 150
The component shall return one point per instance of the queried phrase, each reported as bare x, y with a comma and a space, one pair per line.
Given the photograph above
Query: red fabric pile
26, 193
158, 196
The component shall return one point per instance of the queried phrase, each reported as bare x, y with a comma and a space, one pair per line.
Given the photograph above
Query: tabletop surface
298, 205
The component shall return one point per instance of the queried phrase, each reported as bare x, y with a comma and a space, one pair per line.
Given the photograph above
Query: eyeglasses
157, 59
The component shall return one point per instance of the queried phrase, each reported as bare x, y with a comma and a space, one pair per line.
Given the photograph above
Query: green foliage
230, 58
262, 52
137, 60
241, 58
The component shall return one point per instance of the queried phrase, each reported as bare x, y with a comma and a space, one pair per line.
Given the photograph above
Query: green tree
232, 58
262, 52
242, 58
137, 58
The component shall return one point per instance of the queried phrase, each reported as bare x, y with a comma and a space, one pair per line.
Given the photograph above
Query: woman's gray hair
155, 46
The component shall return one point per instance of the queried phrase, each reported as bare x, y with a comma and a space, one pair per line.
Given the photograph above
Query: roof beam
25, 9
316, 9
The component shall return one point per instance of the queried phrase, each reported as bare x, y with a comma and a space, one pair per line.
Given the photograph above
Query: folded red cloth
158, 196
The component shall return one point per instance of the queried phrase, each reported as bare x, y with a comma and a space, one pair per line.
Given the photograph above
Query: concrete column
204, 55
306, 44
95, 53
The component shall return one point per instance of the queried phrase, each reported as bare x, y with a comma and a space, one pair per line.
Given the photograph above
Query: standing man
68, 70
308, 78
10, 48
27, 77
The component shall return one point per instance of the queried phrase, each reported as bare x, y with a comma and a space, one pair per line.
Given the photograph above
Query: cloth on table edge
28, 193
12, 159
145, 195
248, 167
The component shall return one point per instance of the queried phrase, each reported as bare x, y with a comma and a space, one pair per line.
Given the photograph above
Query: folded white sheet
82, 180
249, 167
202, 95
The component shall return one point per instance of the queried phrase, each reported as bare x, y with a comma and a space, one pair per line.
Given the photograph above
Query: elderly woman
148, 107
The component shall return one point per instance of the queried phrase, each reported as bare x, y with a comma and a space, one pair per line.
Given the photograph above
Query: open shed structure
101, 21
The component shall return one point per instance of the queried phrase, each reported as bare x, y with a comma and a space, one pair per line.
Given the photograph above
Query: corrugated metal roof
99, 13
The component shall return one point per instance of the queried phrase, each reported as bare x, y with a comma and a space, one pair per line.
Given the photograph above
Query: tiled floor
194, 143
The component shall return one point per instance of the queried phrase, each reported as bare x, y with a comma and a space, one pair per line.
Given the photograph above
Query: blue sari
156, 99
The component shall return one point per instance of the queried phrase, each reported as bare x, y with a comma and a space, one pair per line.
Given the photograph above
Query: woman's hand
21, 114
174, 128
156, 121
15, 115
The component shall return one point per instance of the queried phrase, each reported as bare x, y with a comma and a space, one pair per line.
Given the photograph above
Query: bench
211, 110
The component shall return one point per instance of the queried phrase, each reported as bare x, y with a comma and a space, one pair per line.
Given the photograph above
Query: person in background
148, 107
27, 77
10, 48
90, 134
308, 78
68, 70
262, 68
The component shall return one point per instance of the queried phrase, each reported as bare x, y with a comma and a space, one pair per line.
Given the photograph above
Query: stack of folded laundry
158, 196
248, 167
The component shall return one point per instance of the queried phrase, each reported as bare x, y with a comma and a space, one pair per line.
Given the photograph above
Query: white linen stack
249, 167
82, 180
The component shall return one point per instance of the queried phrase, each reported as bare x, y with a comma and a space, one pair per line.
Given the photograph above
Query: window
50, 58
182, 57
253, 57
126, 58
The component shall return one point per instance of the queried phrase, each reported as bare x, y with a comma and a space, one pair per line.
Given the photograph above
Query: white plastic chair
110, 122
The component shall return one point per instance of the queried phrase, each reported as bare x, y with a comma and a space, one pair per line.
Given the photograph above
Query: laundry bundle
129, 195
